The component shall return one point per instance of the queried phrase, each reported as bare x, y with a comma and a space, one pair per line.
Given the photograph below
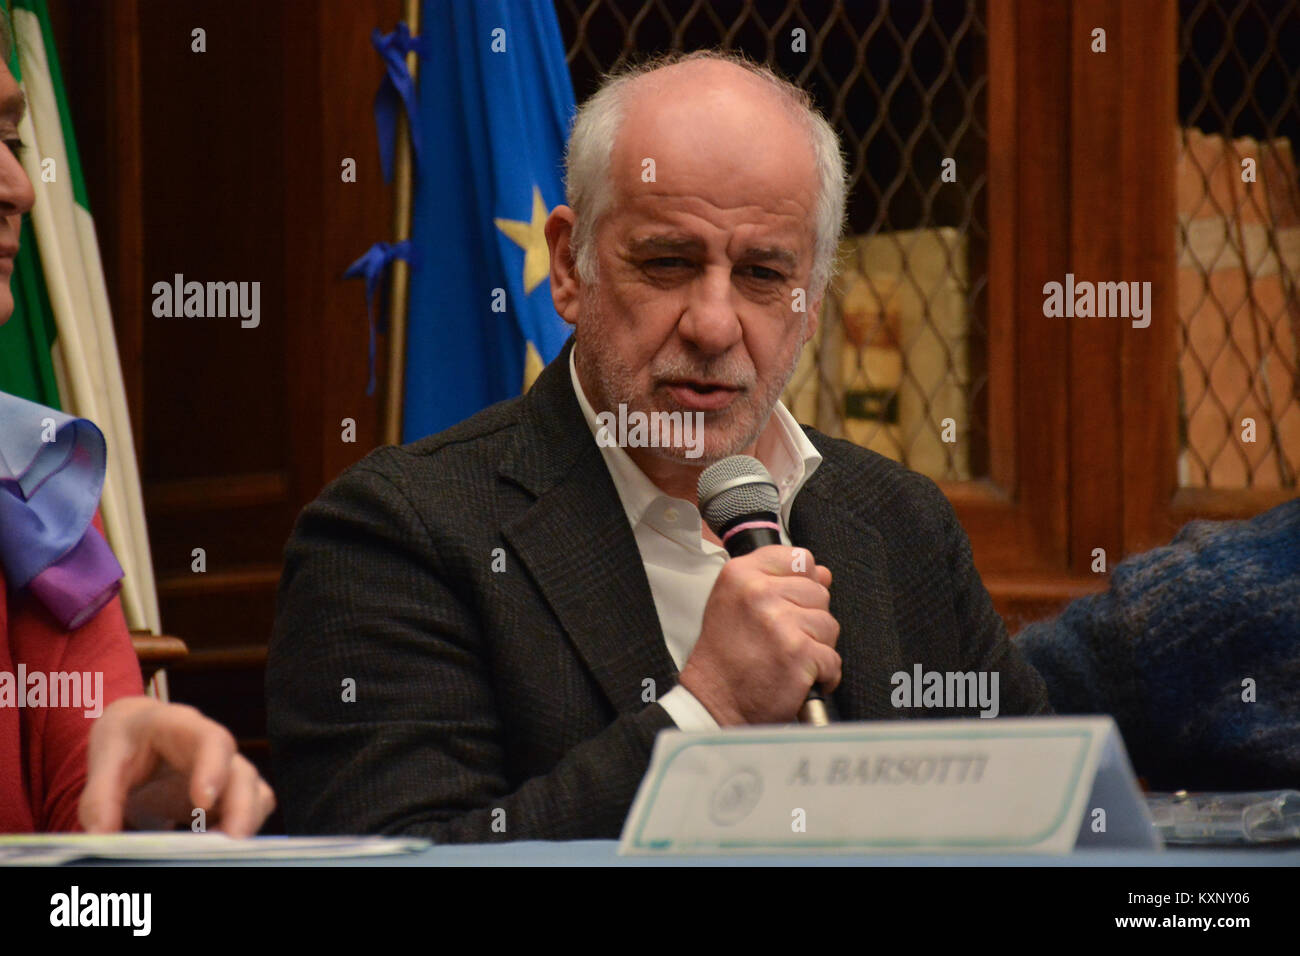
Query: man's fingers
828, 665
777, 559
821, 626
803, 592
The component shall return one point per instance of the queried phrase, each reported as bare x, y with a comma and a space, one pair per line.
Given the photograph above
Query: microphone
740, 503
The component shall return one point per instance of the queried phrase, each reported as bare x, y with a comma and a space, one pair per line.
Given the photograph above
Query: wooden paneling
1096, 255
1017, 519
225, 166
201, 494
1082, 411
1218, 504
1149, 363
215, 164
1123, 380
332, 72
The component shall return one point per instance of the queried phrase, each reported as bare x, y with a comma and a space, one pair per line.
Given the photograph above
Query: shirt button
670, 515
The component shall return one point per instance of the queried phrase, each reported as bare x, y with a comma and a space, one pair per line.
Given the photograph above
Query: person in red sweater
80, 746
43, 749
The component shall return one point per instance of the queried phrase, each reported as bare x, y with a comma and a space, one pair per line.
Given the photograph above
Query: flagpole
403, 172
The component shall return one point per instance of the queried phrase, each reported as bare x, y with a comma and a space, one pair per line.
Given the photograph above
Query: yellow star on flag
531, 237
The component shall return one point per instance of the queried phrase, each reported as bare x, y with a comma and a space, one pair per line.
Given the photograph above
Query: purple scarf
51, 476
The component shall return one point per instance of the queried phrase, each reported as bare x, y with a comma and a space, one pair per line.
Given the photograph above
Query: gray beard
599, 363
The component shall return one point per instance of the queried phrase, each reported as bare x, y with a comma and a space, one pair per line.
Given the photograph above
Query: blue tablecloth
605, 853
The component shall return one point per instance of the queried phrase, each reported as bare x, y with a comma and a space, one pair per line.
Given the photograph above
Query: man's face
16, 194
694, 310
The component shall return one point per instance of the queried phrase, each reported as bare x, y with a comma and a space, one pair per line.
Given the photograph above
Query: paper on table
52, 849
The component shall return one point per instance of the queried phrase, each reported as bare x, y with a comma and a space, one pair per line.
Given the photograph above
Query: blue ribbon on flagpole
395, 90
372, 266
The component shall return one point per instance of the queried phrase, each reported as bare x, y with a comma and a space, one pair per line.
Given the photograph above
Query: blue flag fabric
495, 102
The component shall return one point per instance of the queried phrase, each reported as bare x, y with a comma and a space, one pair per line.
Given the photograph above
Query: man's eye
668, 262
16, 146
766, 274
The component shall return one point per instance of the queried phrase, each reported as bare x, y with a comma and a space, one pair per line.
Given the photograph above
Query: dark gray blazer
521, 690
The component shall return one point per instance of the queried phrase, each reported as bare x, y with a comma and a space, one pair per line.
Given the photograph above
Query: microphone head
734, 487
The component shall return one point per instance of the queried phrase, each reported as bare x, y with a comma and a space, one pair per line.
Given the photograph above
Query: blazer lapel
860, 595
576, 542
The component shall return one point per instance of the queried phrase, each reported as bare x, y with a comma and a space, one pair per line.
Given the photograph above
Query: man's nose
16, 193
710, 322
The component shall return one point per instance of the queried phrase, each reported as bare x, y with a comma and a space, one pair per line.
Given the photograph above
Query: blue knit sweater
1167, 649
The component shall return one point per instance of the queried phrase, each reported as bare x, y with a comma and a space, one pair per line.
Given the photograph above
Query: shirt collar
791, 460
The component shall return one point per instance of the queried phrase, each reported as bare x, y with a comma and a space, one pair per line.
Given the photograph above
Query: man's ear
814, 318
565, 283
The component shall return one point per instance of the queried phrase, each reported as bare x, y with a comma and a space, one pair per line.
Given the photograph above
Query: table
605, 853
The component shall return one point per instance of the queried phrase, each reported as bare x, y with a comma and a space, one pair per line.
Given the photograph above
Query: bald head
731, 135
718, 123
725, 82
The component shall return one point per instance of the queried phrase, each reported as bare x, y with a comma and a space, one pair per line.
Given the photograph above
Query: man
142, 763
480, 634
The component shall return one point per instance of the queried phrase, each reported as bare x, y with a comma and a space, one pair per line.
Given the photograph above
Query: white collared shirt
680, 564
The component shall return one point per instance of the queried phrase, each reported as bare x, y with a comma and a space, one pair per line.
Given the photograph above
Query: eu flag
495, 102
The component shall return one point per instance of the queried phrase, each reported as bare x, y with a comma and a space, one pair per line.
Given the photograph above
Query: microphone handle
814, 712
747, 539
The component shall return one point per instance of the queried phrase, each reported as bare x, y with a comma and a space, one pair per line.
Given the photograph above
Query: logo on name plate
736, 797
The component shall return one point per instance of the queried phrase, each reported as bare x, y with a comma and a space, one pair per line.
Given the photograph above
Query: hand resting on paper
151, 765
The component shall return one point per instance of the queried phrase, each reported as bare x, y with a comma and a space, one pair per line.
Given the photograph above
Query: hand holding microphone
767, 643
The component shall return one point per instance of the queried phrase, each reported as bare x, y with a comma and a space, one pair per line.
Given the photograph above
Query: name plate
1010, 785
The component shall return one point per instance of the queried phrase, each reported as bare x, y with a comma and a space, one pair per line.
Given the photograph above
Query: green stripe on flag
26, 339
28, 336
14, 68
39, 9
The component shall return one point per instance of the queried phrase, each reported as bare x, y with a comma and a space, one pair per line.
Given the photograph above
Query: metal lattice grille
898, 362
1239, 243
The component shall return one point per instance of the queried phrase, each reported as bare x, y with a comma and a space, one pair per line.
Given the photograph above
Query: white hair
589, 183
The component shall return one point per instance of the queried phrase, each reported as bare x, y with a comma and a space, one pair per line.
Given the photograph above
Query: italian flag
59, 348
